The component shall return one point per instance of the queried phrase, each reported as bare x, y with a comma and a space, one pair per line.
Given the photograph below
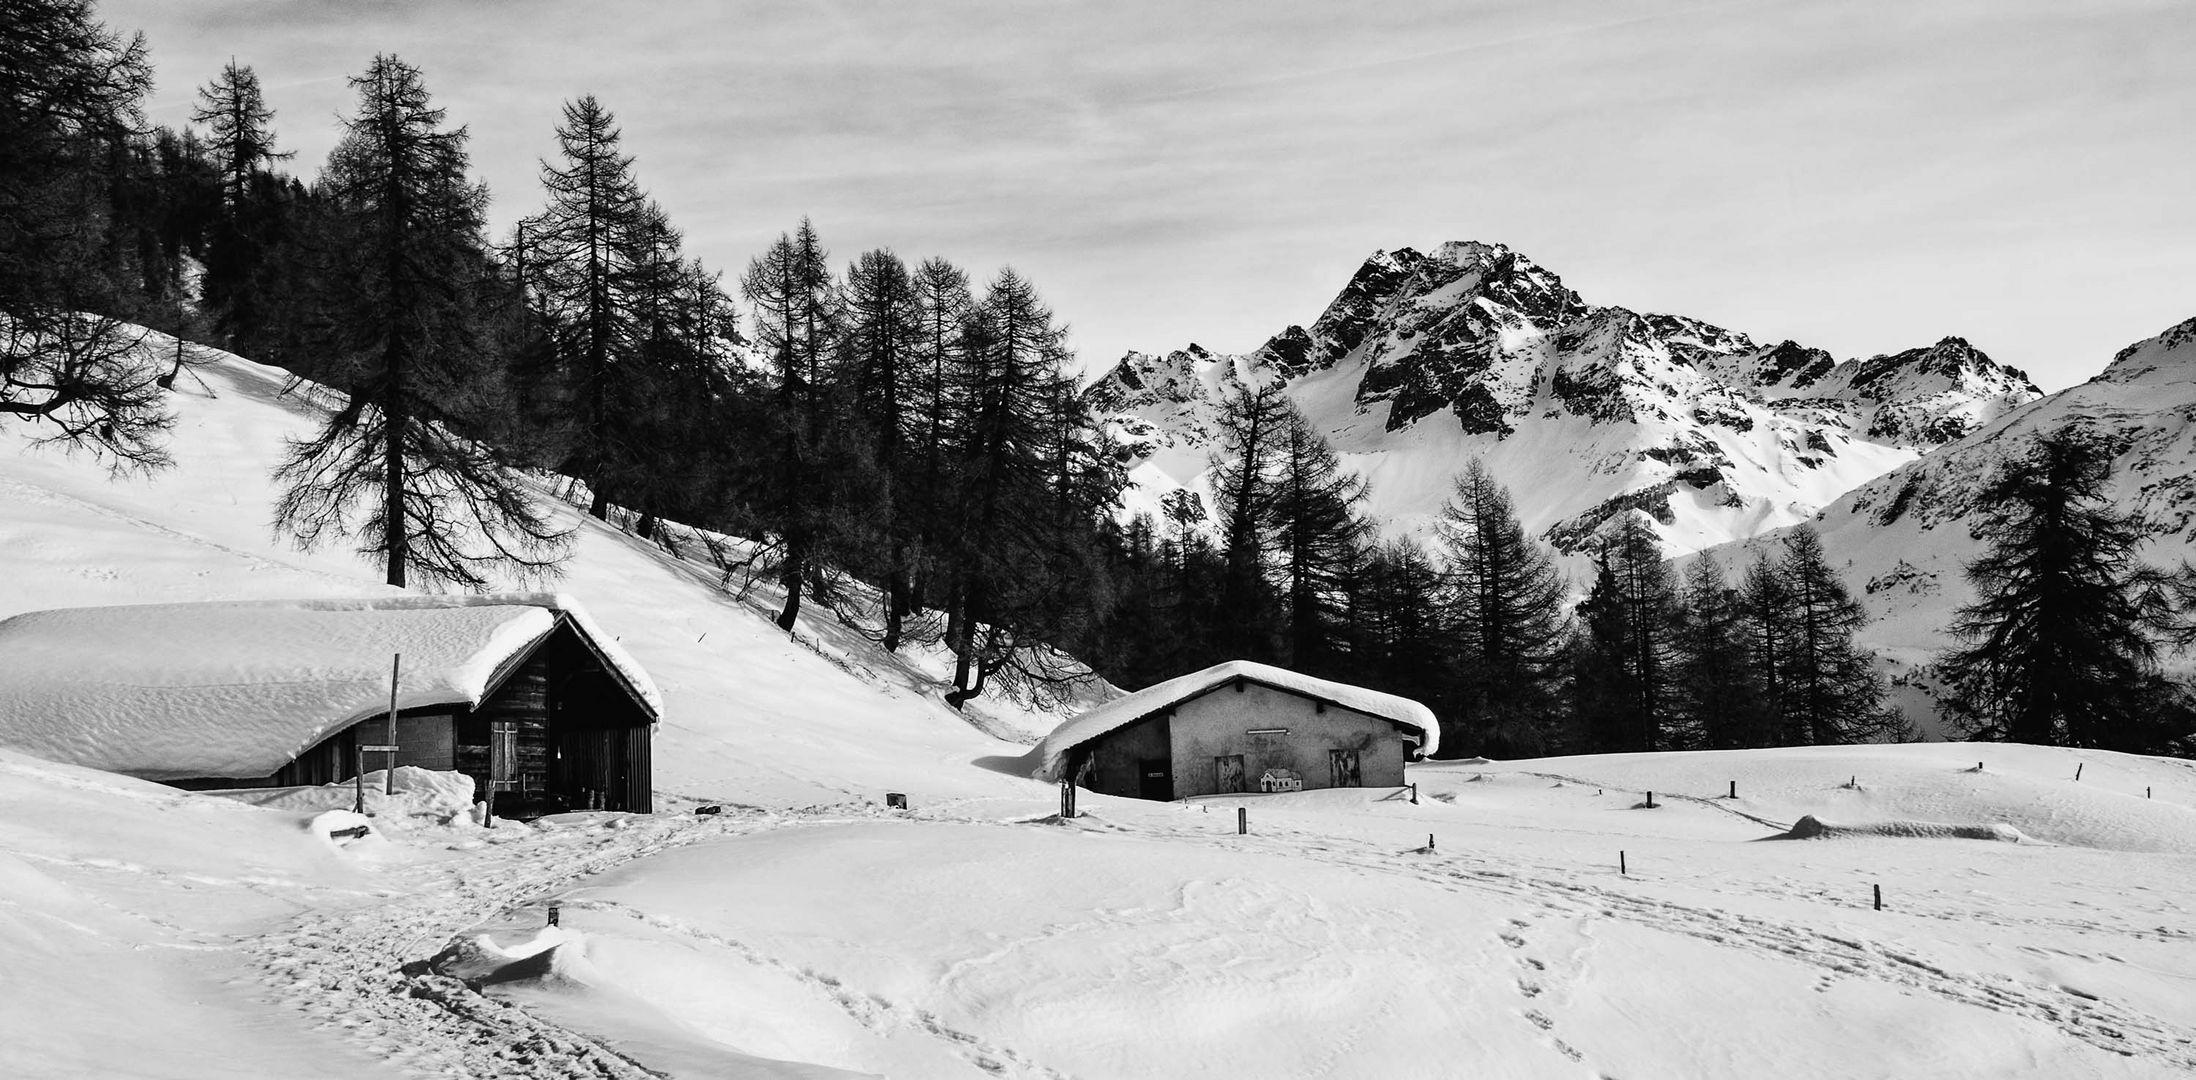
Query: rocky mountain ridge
1904, 538
1426, 359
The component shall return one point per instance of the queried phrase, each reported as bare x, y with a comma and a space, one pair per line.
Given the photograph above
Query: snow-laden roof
1129, 708
240, 688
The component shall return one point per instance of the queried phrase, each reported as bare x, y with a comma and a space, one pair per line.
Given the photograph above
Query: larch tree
70, 94
1506, 602
240, 132
884, 324
1254, 422
1831, 691
1718, 697
1320, 540
405, 344
1629, 620
944, 310
1019, 571
241, 143
2060, 646
581, 256
798, 320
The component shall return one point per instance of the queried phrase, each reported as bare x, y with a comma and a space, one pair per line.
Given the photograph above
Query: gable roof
1130, 708
239, 689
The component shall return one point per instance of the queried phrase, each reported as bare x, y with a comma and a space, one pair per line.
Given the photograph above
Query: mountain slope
1903, 538
1426, 359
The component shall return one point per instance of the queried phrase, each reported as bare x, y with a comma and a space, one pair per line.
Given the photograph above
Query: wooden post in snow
2077, 771
1622, 870
1879, 898
1067, 798
1242, 820
1734, 789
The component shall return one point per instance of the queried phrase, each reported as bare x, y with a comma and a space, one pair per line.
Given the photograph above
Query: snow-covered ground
806, 931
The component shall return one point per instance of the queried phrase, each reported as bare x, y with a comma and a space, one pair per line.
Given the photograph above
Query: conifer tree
1717, 696
1018, 571
1403, 629
70, 91
2060, 645
1254, 421
797, 312
884, 325
588, 260
1506, 608
1622, 666
944, 312
241, 144
407, 345
240, 137
1831, 691
1320, 541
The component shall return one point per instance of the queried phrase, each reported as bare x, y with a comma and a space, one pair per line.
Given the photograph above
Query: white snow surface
239, 688
1128, 708
807, 932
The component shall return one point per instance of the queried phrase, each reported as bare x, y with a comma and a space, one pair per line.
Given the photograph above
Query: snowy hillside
1426, 359
1902, 539
808, 932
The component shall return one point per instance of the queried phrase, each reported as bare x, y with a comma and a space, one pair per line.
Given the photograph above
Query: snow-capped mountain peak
1425, 359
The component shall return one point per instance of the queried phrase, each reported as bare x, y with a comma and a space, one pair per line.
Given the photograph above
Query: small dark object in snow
895, 800
711, 809
352, 833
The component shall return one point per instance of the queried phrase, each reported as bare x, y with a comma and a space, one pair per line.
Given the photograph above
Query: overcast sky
1860, 175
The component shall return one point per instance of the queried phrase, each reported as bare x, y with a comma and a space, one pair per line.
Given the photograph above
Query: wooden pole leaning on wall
396, 666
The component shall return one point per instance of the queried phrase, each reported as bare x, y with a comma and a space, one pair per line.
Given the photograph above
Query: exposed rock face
1424, 360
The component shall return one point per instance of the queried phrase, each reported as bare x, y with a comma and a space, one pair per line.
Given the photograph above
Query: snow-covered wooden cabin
520, 691
1239, 727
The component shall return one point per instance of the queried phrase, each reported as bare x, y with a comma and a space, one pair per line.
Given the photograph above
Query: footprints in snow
1529, 987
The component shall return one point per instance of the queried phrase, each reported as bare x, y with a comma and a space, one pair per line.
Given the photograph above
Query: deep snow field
807, 931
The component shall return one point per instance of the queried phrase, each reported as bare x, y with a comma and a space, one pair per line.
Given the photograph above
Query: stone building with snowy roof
520, 691
1239, 727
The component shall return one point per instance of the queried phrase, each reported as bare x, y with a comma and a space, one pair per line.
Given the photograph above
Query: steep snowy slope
1426, 359
1902, 539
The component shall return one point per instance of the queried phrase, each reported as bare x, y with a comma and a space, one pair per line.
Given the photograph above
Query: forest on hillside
906, 447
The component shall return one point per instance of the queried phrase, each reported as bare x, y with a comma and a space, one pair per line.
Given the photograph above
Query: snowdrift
1810, 827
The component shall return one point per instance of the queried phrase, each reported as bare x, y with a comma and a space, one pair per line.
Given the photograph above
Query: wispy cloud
1865, 175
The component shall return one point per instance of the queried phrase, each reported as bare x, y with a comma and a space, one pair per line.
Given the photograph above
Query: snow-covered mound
1810, 827
1902, 539
2122, 802
1427, 359
414, 795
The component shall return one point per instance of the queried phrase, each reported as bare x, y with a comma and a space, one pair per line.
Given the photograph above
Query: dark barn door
1155, 779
